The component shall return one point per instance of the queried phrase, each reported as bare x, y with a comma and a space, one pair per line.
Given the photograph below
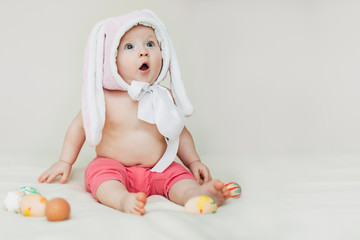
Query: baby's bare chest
122, 112
125, 137
120, 108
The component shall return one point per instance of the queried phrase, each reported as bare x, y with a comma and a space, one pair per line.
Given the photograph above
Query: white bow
156, 106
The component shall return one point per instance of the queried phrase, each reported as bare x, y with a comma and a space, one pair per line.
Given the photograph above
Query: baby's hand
200, 172
59, 168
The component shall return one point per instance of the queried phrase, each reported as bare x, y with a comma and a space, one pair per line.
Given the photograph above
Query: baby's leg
185, 189
113, 193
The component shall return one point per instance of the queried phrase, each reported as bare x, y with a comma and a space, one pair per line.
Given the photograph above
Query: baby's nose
143, 53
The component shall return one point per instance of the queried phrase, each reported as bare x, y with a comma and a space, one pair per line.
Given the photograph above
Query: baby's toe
141, 197
218, 185
226, 194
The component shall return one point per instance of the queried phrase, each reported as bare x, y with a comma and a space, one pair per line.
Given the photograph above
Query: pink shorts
134, 178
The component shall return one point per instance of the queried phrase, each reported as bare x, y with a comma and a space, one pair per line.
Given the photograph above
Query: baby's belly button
137, 161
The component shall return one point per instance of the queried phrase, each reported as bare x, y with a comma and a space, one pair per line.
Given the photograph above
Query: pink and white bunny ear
93, 100
177, 86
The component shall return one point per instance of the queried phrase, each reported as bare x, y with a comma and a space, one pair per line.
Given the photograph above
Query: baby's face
139, 55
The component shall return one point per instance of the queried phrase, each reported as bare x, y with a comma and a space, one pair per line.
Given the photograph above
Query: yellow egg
33, 205
201, 205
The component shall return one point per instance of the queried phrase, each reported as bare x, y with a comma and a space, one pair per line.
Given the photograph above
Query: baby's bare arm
187, 152
74, 139
189, 157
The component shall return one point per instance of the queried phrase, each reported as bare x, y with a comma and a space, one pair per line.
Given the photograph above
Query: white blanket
287, 197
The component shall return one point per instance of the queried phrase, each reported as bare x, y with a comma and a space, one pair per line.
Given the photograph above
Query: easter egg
57, 209
234, 188
33, 205
12, 202
28, 190
13, 198
201, 205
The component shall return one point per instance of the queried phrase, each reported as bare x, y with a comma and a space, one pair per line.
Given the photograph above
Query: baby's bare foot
216, 190
134, 203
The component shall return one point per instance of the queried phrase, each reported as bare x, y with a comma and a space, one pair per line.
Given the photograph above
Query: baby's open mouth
144, 67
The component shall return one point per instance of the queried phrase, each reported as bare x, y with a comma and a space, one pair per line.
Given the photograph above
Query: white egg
13, 198
12, 202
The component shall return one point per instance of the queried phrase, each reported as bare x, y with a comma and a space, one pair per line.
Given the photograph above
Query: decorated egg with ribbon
13, 198
28, 190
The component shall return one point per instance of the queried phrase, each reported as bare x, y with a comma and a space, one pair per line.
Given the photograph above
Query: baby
133, 122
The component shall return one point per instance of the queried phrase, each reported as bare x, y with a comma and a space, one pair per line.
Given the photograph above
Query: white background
265, 77
279, 79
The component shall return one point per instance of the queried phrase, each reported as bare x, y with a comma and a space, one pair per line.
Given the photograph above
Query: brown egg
57, 209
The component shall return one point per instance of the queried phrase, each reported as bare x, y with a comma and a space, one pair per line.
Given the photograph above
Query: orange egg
57, 209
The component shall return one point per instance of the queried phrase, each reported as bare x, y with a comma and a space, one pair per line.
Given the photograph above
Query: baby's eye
129, 46
150, 44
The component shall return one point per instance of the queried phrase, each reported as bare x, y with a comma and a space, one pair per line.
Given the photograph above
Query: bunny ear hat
100, 72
